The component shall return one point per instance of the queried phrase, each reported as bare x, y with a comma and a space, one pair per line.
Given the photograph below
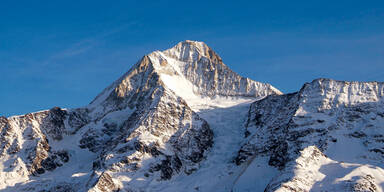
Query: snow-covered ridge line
339, 122
18, 116
345, 92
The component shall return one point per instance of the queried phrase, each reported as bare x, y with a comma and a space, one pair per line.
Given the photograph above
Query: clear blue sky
63, 53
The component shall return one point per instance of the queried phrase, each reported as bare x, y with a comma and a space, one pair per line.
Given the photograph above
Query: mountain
329, 136
181, 120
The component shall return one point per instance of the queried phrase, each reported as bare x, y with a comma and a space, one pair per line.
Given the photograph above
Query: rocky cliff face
181, 120
26, 143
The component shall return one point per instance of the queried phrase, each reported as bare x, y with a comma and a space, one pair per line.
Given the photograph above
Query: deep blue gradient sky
63, 53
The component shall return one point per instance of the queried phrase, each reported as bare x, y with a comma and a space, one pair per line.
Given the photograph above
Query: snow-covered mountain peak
193, 68
191, 51
184, 55
192, 71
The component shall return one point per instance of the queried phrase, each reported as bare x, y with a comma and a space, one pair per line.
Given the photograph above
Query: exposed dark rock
78, 118
279, 154
56, 127
376, 150
91, 141
358, 134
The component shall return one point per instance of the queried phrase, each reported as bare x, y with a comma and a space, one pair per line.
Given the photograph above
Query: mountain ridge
181, 120
327, 116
